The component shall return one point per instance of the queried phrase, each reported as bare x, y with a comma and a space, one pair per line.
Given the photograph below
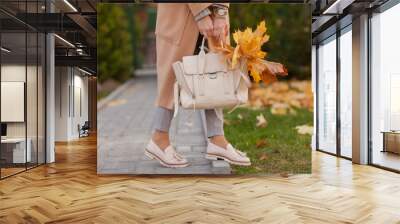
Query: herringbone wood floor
69, 191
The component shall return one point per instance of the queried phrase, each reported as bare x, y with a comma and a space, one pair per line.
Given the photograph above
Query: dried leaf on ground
295, 93
280, 108
261, 121
263, 156
258, 104
305, 129
261, 143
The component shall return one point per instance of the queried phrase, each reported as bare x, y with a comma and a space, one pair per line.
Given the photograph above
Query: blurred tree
137, 27
114, 44
289, 28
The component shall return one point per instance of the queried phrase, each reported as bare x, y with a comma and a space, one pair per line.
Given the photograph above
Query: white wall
62, 80
71, 87
80, 97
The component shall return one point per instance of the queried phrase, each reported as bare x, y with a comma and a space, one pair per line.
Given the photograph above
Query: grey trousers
163, 117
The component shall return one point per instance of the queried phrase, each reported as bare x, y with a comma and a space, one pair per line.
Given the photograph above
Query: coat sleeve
196, 8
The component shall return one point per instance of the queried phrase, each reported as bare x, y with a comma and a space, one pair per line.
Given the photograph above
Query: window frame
342, 26
380, 9
29, 29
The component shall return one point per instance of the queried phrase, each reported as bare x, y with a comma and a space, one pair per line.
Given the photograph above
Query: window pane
14, 150
327, 96
386, 88
346, 94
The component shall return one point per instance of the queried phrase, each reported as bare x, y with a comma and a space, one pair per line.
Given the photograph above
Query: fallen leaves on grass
263, 156
305, 129
282, 96
280, 108
261, 143
257, 104
261, 121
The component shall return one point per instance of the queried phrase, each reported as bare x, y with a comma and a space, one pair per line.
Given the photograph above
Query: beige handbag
204, 81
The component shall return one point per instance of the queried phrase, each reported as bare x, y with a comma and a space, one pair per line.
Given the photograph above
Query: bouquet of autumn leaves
248, 52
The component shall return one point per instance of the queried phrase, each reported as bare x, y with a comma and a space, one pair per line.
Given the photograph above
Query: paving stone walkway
124, 128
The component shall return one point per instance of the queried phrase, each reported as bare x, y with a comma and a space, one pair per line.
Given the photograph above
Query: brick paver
124, 128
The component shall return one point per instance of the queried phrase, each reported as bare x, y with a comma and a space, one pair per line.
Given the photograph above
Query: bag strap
176, 98
201, 58
203, 41
181, 80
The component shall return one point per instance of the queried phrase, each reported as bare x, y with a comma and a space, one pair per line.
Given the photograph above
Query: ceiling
74, 22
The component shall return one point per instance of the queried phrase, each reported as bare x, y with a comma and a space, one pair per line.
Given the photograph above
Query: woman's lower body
214, 124
218, 147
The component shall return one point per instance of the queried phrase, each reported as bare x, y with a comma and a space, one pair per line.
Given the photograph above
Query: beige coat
176, 36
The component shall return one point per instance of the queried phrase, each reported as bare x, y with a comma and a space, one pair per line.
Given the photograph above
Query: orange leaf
261, 143
263, 156
267, 77
249, 48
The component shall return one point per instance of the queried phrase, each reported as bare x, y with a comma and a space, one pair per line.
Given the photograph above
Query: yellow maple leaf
255, 74
249, 49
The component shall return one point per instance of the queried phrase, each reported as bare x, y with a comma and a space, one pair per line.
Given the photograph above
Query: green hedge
114, 44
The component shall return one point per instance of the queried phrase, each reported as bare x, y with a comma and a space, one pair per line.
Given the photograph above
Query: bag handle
201, 63
202, 47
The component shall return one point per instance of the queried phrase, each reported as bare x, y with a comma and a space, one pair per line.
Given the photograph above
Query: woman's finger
210, 32
217, 32
222, 36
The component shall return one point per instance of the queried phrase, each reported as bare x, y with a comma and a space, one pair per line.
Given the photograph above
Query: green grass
285, 150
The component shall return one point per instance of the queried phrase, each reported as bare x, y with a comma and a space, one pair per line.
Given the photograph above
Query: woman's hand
206, 26
220, 28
